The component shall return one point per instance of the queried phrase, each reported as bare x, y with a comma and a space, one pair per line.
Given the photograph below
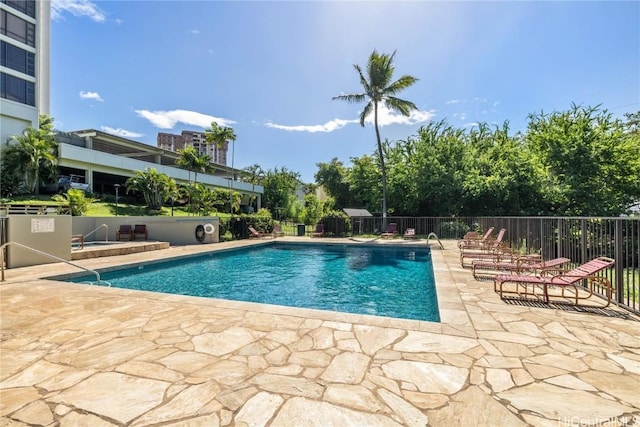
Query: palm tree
156, 187
253, 174
379, 88
190, 159
221, 135
33, 154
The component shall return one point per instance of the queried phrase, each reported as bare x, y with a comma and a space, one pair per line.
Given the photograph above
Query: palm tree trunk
382, 168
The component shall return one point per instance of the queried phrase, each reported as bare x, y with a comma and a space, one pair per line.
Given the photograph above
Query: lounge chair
486, 249
319, 231
139, 230
124, 230
573, 284
277, 230
392, 231
517, 265
253, 233
473, 239
409, 233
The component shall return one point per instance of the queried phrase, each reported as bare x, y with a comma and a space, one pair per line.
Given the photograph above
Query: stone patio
78, 355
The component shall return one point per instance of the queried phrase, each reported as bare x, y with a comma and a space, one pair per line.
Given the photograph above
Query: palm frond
400, 84
351, 97
397, 104
365, 112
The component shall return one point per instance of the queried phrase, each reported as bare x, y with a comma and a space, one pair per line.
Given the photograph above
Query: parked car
71, 181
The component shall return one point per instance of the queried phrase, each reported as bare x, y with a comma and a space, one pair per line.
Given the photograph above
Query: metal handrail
2, 257
106, 239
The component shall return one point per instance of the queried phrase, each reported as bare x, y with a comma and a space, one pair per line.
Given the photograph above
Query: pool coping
486, 363
373, 320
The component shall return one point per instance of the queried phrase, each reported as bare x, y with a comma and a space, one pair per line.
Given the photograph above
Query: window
16, 89
17, 28
28, 7
17, 59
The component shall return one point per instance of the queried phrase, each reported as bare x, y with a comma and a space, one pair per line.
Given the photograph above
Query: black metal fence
577, 238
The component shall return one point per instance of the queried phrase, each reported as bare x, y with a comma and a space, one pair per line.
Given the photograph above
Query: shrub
336, 224
77, 200
452, 229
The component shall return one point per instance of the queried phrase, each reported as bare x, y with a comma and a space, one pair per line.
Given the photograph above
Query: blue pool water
393, 282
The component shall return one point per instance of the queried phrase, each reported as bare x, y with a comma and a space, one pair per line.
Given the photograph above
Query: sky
270, 69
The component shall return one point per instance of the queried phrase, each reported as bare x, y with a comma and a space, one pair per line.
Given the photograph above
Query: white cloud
470, 124
121, 132
385, 118
453, 101
194, 31
76, 8
118, 21
329, 126
168, 119
91, 95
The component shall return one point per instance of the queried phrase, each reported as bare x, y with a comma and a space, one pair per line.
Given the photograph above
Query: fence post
618, 255
583, 240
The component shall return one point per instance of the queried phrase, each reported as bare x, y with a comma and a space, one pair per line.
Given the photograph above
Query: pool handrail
2, 253
106, 238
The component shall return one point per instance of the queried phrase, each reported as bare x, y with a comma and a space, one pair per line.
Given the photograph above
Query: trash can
301, 229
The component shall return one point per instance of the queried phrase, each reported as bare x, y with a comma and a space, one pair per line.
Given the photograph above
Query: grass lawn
105, 208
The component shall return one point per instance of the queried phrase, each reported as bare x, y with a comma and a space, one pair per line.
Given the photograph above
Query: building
173, 142
24, 65
103, 160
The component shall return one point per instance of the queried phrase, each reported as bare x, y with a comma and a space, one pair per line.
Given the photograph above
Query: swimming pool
381, 281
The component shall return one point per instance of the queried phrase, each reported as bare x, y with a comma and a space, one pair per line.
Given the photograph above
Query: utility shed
357, 217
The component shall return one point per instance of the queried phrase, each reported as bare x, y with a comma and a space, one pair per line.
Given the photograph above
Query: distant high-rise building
24, 65
173, 142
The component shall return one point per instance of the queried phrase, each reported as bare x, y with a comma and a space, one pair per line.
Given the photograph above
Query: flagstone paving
77, 355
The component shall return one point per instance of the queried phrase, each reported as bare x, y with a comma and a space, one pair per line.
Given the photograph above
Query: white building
24, 65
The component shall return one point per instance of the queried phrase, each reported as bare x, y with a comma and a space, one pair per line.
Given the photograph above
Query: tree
156, 187
280, 186
33, 154
220, 135
253, 174
593, 163
193, 161
379, 88
333, 177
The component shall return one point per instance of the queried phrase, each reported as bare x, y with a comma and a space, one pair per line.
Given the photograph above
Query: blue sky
270, 69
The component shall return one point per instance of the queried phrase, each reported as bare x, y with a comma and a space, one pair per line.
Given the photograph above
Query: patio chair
392, 231
472, 238
573, 284
139, 230
319, 232
124, 230
255, 234
277, 230
522, 264
409, 233
487, 247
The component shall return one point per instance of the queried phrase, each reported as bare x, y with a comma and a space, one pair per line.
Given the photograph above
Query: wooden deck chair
574, 285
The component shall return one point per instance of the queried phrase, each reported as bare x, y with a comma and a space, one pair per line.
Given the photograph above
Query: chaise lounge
521, 264
392, 231
572, 284
255, 234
